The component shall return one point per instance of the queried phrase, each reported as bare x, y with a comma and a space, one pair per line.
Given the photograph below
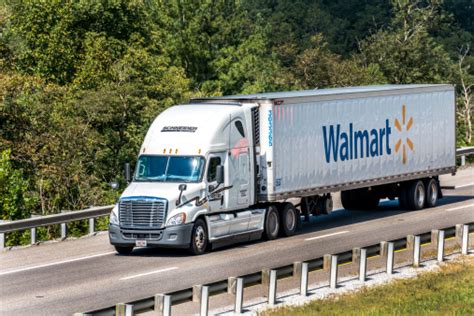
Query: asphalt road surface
86, 274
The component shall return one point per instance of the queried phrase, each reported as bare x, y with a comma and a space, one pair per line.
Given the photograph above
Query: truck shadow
338, 217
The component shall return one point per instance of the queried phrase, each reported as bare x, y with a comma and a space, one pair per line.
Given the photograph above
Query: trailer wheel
431, 187
199, 239
326, 205
124, 250
347, 200
272, 223
416, 195
289, 220
402, 198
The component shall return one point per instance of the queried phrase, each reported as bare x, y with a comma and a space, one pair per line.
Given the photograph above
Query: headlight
178, 219
113, 216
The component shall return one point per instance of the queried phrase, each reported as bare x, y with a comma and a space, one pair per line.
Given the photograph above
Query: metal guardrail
268, 278
91, 213
63, 218
463, 152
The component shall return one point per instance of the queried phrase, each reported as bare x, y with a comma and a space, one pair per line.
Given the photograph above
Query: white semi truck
227, 169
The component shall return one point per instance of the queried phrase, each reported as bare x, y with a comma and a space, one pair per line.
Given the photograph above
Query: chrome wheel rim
200, 237
434, 193
273, 223
420, 195
290, 220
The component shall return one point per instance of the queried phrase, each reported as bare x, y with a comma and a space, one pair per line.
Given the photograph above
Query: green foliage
81, 81
15, 200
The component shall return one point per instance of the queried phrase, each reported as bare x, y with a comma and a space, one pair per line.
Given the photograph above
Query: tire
124, 250
416, 195
402, 198
359, 200
288, 220
347, 200
431, 187
199, 238
272, 223
326, 206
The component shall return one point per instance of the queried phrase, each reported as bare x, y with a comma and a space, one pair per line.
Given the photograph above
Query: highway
85, 274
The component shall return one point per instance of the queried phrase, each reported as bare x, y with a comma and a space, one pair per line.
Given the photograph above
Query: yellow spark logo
408, 142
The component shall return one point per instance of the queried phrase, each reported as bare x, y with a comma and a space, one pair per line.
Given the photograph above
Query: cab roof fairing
189, 129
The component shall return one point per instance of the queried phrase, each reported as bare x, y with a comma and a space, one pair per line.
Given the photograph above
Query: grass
448, 291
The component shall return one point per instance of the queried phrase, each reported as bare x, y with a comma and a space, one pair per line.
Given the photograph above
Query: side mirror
127, 172
114, 185
182, 187
220, 174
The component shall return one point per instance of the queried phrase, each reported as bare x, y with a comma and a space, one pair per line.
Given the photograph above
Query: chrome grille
142, 213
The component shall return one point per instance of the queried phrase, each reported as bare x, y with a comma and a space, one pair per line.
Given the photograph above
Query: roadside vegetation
449, 291
81, 81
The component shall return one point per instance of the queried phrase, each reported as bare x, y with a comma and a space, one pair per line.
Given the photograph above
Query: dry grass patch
448, 291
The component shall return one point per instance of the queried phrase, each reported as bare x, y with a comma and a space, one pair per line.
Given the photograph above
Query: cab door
216, 200
238, 166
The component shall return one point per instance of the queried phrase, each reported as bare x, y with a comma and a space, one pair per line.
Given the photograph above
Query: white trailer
223, 169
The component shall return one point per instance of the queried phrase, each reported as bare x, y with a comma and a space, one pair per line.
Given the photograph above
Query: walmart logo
408, 143
347, 143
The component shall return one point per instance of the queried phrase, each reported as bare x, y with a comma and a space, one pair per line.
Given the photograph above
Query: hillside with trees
81, 81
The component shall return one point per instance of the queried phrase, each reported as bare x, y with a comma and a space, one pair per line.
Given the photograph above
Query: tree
405, 51
465, 106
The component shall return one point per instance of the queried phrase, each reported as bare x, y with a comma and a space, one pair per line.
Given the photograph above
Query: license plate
140, 243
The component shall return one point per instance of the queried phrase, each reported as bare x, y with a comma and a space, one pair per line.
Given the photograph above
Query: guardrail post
465, 240
197, 290
265, 282
390, 257
2, 237
91, 225
204, 300
239, 295
162, 304
363, 265
463, 160
63, 230
33, 235
333, 272
33, 231
272, 287
416, 251
440, 256
304, 279
167, 305
434, 238
356, 258
122, 309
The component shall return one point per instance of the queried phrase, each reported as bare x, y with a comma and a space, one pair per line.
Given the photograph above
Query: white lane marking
147, 273
56, 263
459, 207
464, 185
328, 235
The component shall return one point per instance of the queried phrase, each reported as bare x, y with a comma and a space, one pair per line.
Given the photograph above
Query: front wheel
199, 239
124, 250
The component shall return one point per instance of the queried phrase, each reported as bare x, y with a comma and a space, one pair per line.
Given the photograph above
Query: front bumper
175, 236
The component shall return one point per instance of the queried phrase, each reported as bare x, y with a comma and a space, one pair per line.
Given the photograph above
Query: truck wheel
347, 201
402, 198
289, 219
124, 250
416, 195
199, 238
326, 206
431, 187
272, 223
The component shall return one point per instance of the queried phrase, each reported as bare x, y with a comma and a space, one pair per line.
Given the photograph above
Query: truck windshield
169, 168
